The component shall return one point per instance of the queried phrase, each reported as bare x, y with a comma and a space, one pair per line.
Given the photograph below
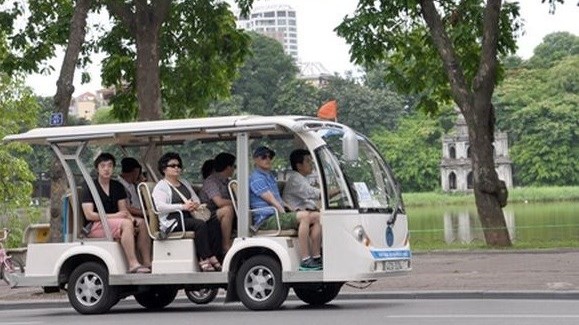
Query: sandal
215, 263
206, 266
140, 269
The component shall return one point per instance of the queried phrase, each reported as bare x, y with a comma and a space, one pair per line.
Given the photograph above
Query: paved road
402, 312
510, 274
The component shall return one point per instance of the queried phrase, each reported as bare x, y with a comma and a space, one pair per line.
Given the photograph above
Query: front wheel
202, 296
89, 291
258, 283
318, 294
157, 297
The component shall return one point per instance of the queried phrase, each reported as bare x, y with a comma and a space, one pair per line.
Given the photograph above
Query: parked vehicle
364, 227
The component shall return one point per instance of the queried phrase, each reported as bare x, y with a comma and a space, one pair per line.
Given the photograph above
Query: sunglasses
175, 166
264, 157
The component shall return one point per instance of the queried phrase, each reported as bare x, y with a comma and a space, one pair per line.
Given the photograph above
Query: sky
317, 42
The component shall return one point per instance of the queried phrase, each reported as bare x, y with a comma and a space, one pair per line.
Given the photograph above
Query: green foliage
104, 115
539, 109
17, 221
516, 195
555, 46
264, 73
298, 97
363, 108
200, 49
413, 151
394, 32
18, 111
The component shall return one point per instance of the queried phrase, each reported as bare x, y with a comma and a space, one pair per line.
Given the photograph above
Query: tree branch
458, 84
122, 11
485, 77
77, 33
161, 9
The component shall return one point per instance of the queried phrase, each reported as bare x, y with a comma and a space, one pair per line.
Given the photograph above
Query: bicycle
9, 266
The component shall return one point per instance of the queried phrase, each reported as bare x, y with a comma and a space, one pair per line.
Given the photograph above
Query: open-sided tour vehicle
364, 227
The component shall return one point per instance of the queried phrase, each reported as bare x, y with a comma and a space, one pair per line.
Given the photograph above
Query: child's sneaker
310, 264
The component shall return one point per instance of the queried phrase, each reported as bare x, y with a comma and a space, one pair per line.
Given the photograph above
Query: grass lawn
520, 194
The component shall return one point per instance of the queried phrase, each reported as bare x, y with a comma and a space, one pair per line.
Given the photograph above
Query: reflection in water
536, 223
464, 227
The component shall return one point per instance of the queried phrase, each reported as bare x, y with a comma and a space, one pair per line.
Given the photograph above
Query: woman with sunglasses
174, 193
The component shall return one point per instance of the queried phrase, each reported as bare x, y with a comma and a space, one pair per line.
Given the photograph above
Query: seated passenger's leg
127, 236
215, 237
315, 235
144, 243
201, 242
226, 215
303, 217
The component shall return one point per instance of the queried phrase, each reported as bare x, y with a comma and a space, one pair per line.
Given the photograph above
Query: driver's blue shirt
261, 181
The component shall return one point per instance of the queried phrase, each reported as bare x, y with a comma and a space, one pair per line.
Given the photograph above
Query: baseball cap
262, 151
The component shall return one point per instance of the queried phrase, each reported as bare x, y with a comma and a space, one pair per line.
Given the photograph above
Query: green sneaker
310, 265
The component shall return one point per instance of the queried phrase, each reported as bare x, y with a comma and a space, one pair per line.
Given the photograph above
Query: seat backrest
232, 188
144, 190
80, 221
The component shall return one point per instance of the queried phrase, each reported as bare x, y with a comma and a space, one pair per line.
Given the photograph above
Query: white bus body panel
347, 259
285, 248
174, 256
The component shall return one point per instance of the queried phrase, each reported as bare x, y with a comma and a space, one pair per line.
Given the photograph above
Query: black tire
18, 267
89, 291
157, 297
259, 285
202, 296
318, 294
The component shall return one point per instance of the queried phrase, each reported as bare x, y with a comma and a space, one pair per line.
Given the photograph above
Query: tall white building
273, 19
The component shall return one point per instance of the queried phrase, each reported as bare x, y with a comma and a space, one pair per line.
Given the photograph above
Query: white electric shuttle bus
364, 227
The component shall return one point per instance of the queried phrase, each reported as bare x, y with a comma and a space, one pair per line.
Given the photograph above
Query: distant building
273, 19
456, 166
83, 106
314, 73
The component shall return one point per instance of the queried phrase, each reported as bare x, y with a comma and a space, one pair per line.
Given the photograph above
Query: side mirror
350, 145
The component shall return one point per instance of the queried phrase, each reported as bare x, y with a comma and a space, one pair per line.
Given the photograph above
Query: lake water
527, 223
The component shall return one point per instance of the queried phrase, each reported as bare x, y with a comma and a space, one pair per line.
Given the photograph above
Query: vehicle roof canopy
142, 133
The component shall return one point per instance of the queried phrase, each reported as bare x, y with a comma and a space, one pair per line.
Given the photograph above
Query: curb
402, 295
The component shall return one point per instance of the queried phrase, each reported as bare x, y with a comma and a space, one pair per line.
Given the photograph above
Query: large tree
413, 151
264, 73
539, 106
445, 50
186, 50
18, 110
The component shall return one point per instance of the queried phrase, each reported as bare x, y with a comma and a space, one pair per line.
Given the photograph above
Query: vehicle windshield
368, 178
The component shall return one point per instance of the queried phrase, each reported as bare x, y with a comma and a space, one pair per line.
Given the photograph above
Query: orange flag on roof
329, 111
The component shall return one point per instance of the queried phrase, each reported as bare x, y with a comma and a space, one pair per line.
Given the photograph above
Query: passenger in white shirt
298, 193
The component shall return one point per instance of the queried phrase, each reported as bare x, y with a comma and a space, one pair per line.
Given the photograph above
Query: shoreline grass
516, 195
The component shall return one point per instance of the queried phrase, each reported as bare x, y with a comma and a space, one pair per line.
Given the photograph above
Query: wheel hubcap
89, 289
259, 283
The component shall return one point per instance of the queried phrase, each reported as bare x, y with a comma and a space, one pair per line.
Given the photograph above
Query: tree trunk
148, 71
489, 191
148, 76
64, 91
475, 104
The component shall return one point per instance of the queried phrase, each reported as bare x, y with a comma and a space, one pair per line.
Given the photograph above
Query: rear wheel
259, 285
202, 296
318, 294
157, 297
89, 291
